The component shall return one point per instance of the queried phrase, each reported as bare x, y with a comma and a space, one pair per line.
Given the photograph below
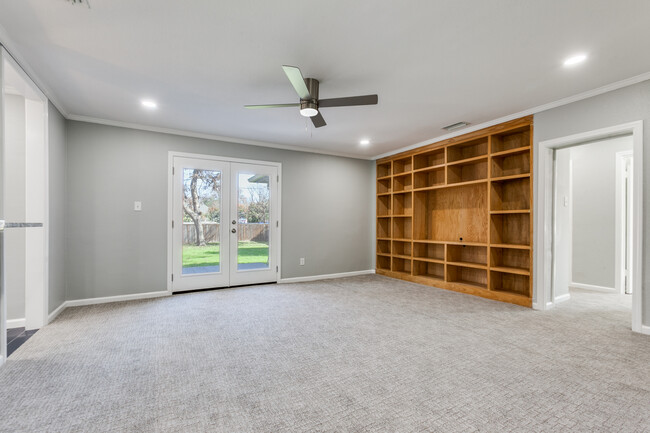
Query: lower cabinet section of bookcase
470, 289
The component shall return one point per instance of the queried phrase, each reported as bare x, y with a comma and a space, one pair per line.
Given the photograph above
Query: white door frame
170, 211
37, 291
621, 216
544, 224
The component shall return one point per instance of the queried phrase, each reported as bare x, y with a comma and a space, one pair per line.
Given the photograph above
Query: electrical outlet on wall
302, 261
137, 206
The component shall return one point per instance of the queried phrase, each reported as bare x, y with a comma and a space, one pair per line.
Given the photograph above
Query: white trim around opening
544, 225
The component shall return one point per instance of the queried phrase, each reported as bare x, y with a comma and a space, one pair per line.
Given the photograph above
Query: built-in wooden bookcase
458, 214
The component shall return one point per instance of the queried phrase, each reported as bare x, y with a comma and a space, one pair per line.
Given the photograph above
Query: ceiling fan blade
297, 81
318, 120
350, 100
271, 106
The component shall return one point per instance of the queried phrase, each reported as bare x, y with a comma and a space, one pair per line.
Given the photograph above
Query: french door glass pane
253, 215
202, 192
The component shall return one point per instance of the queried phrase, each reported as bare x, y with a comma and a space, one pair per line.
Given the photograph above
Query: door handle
234, 230
234, 222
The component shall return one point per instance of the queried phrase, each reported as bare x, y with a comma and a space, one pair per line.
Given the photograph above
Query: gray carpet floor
362, 354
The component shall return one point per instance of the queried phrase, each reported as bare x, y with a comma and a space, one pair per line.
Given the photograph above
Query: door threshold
222, 288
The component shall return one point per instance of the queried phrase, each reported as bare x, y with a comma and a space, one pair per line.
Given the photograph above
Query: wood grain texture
461, 214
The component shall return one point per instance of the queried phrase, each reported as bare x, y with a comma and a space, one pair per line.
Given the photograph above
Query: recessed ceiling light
574, 60
364, 142
148, 103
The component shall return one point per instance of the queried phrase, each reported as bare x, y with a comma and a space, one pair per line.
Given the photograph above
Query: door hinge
172, 223
277, 223
172, 277
173, 171
278, 177
276, 269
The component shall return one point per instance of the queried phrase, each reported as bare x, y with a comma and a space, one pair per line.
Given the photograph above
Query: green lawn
249, 252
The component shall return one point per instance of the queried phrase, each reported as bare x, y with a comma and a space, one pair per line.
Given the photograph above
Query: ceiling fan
307, 90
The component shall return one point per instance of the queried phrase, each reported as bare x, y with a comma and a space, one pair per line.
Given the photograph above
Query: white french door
224, 223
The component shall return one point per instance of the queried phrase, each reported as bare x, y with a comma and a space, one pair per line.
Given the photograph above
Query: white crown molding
560, 102
10, 47
186, 133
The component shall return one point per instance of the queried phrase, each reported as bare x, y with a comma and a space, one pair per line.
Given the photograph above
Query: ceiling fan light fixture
308, 109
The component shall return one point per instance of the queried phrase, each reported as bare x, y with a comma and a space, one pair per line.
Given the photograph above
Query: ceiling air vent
455, 126
80, 2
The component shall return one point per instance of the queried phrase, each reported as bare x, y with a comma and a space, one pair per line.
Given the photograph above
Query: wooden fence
258, 232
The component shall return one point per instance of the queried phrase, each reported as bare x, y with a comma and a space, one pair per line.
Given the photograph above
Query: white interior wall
14, 202
35, 204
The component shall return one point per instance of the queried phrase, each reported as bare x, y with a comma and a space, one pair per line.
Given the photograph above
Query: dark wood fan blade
349, 101
318, 120
297, 81
272, 106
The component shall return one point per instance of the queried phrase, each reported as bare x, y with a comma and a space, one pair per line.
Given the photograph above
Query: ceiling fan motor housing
312, 86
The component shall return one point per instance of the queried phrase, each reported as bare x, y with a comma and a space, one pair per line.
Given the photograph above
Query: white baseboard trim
645, 329
593, 287
326, 276
562, 298
56, 312
120, 298
15, 323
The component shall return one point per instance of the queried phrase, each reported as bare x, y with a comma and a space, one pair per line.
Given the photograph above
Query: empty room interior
301, 216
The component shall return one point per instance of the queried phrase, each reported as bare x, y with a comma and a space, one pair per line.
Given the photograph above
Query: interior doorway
555, 271
592, 218
224, 222
23, 207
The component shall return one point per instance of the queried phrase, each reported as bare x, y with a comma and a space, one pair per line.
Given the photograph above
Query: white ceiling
431, 62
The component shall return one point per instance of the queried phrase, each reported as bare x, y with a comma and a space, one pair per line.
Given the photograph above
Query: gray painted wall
613, 108
14, 200
594, 211
57, 207
327, 210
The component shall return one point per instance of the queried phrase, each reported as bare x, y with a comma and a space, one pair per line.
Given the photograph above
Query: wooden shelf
389, 177
402, 165
468, 265
384, 186
512, 246
429, 177
511, 177
511, 151
497, 212
512, 194
473, 170
383, 247
468, 160
428, 269
458, 214
510, 140
467, 150
519, 271
516, 284
402, 248
423, 259
432, 158
384, 170
433, 167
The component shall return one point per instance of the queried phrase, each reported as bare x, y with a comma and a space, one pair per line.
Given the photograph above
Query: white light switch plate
137, 206
302, 261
